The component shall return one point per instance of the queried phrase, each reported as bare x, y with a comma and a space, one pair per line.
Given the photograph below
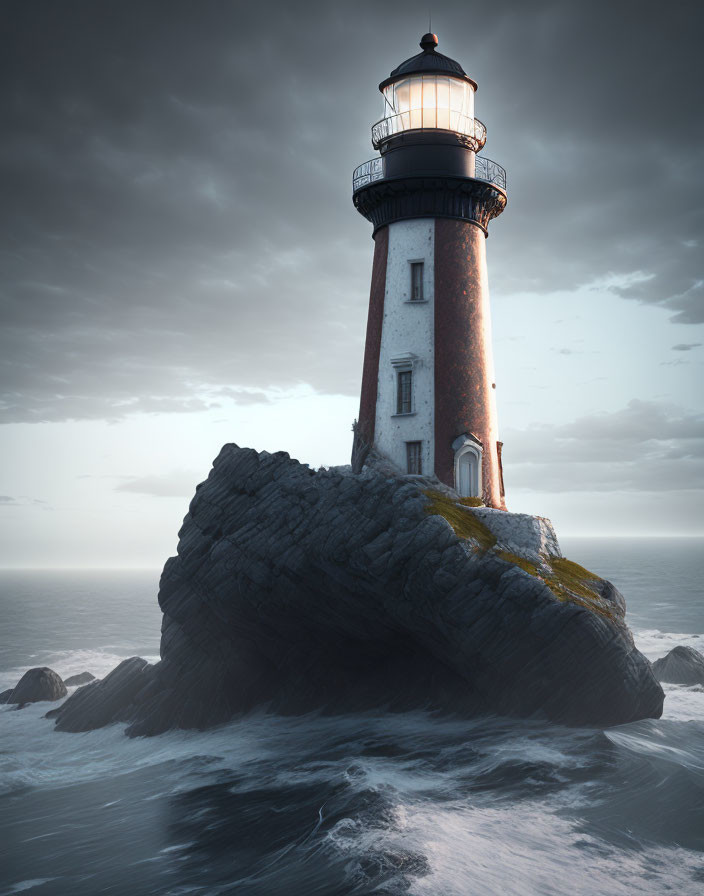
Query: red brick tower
428, 401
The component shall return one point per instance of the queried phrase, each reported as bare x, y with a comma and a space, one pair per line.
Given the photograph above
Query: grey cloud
176, 182
245, 396
685, 346
646, 446
178, 483
22, 501
659, 475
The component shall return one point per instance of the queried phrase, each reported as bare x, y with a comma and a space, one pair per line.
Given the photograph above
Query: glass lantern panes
429, 101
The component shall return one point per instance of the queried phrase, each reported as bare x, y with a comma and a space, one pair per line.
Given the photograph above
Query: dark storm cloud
176, 182
646, 446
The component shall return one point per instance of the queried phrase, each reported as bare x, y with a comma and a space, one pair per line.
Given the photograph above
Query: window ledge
405, 414
416, 301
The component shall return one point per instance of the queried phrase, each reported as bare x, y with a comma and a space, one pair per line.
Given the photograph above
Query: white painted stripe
408, 329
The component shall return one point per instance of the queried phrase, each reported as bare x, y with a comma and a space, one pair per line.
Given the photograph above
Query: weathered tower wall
408, 329
465, 382
372, 347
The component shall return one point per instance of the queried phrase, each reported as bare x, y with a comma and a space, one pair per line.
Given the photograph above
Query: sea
372, 803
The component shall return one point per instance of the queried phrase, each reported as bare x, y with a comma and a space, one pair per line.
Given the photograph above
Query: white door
468, 475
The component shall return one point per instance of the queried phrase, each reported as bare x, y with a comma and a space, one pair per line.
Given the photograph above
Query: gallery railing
366, 173
485, 169
470, 128
492, 172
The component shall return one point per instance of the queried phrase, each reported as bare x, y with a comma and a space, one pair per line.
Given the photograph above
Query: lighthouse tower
428, 386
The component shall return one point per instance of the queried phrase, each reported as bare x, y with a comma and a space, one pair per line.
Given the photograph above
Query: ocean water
372, 803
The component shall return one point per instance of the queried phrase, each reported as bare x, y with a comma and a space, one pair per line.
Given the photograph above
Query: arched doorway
468, 467
468, 475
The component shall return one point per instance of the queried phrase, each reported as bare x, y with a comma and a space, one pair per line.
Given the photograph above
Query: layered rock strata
303, 589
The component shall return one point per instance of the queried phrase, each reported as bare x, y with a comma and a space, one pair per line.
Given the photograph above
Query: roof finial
429, 41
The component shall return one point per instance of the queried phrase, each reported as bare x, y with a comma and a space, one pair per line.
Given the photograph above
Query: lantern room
429, 92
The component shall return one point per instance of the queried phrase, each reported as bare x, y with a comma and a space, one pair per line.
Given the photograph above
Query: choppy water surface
373, 803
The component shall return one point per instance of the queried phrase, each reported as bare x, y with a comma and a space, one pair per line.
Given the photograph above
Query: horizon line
159, 568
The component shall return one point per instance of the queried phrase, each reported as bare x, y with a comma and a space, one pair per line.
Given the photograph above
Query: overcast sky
182, 265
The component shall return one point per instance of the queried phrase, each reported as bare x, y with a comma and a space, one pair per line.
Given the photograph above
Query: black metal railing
470, 128
366, 173
492, 172
485, 169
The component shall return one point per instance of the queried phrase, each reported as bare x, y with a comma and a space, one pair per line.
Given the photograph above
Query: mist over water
388, 803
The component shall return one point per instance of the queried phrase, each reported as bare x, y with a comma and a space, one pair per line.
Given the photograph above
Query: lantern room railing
485, 169
470, 128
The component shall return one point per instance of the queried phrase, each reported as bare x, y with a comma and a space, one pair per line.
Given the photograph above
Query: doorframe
468, 444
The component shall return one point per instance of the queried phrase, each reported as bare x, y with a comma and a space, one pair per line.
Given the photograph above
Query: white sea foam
526, 850
24, 885
681, 703
655, 644
70, 662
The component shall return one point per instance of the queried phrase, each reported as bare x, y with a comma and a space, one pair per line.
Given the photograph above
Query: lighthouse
428, 400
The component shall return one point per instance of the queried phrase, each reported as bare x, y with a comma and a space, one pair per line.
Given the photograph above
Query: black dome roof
429, 62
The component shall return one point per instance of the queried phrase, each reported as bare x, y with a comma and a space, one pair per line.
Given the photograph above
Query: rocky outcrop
305, 589
531, 537
35, 686
78, 680
105, 701
682, 665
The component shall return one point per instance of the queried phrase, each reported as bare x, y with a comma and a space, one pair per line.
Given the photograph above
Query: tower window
404, 392
417, 281
413, 458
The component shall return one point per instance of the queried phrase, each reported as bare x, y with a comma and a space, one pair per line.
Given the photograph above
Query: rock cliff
306, 589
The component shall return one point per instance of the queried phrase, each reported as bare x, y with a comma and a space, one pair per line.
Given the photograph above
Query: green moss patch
568, 581
464, 522
521, 562
472, 502
573, 577
571, 582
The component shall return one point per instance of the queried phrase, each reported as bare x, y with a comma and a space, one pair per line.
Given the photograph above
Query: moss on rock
567, 580
463, 521
571, 582
521, 562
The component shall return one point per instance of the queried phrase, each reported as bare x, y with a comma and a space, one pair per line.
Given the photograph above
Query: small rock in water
35, 686
74, 680
105, 701
682, 665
